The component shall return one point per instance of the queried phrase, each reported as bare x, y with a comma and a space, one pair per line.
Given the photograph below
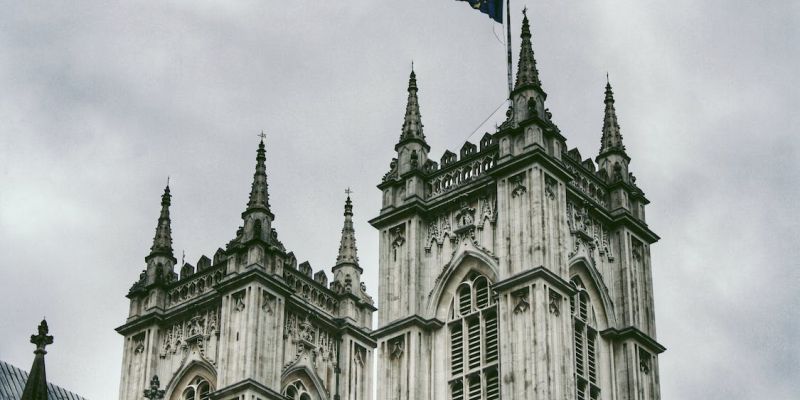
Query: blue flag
492, 8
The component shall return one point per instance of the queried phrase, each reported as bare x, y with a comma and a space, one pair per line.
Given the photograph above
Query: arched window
473, 342
198, 389
585, 338
296, 391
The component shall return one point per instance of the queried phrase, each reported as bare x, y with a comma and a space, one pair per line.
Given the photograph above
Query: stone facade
249, 323
514, 269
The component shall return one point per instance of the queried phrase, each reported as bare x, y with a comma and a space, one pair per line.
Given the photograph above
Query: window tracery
473, 342
296, 391
197, 389
585, 341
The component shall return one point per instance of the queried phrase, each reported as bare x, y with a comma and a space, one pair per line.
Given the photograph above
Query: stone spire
162, 242
259, 195
611, 140
527, 74
36, 385
348, 253
412, 123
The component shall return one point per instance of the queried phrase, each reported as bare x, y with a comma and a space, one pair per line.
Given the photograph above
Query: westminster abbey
513, 269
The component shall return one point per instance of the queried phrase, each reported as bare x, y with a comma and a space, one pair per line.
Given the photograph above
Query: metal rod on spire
508, 46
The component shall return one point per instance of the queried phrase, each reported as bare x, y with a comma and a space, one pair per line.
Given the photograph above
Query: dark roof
12, 383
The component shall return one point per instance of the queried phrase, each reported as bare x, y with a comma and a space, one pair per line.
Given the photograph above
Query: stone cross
42, 339
154, 393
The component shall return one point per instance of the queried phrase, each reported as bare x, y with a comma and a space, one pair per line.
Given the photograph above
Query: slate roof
12, 383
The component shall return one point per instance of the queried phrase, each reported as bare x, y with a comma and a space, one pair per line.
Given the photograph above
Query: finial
42, 339
262, 136
167, 180
607, 80
348, 191
525, 11
154, 393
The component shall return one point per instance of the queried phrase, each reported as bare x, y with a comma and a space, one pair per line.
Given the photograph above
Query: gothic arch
465, 261
195, 369
597, 290
309, 380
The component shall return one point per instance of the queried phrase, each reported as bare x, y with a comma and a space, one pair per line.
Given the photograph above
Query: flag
492, 8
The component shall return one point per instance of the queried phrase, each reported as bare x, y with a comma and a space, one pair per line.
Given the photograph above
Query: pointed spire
36, 385
347, 247
162, 242
412, 123
527, 74
612, 138
259, 195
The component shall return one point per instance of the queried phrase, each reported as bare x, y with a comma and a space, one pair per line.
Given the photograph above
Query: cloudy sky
101, 101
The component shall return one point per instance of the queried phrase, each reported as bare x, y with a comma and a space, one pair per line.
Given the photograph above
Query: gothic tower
514, 269
249, 323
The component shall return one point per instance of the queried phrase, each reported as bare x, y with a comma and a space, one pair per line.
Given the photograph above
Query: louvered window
585, 342
474, 343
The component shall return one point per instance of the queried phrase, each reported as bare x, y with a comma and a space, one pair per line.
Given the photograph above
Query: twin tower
513, 270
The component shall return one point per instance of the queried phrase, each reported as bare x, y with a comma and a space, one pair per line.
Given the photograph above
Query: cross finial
262, 135
154, 393
42, 339
348, 191
525, 11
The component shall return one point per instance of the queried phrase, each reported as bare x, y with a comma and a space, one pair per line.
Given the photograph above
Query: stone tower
248, 323
514, 269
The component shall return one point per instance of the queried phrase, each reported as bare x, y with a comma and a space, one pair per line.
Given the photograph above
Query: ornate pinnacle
162, 242
259, 195
412, 123
612, 138
347, 246
154, 393
36, 385
527, 73
42, 339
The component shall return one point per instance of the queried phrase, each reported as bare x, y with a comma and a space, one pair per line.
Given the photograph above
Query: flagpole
508, 46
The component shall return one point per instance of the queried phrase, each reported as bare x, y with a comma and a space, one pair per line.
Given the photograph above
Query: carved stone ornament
191, 333
238, 301
555, 300
644, 361
138, 344
398, 235
519, 188
550, 187
397, 347
522, 301
268, 303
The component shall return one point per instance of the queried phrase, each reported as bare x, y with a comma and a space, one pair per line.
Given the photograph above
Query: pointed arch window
296, 391
585, 343
473, 342
197, 389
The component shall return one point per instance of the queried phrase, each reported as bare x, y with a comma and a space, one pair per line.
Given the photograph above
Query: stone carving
522, 301
138, 344
397, 347
359, 355
488, 206
555, 300
268, 302
644, 361
238, 301
550, 187
194, 331
309, 340
587, 232
519, 188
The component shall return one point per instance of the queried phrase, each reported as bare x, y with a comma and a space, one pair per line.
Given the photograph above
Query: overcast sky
101, 101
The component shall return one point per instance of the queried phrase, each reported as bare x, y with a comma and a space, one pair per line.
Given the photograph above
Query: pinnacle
347, 247
412, 122
162, 241
612, 138
259, 194
527, 73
